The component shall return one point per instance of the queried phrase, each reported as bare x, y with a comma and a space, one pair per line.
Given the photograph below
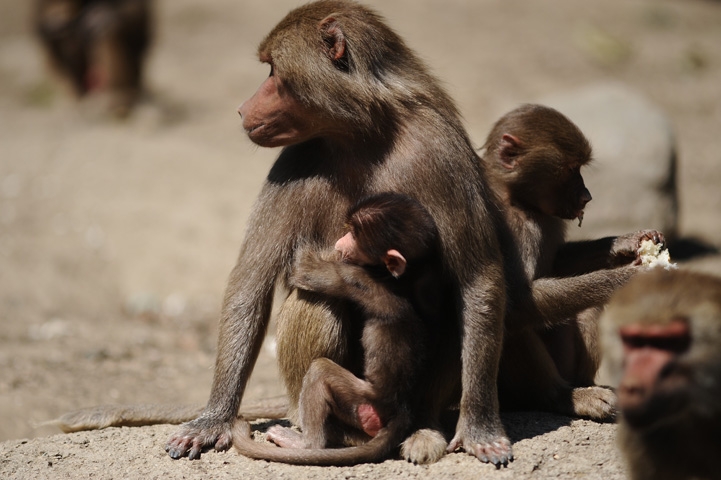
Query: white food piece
652, 255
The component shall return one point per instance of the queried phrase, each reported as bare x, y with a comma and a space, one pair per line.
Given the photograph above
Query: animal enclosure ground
116, 238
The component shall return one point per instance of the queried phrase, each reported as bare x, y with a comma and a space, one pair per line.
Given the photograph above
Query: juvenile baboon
97, 45
534, 156
661, 338
388, 264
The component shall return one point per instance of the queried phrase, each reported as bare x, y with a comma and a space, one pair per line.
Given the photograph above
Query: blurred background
117, 234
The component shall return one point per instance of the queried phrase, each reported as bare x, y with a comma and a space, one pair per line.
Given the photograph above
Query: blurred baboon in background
97, 46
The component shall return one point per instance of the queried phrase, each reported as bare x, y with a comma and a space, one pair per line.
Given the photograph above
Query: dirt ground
116, 238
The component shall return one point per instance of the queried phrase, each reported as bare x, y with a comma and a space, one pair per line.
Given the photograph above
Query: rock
633, 176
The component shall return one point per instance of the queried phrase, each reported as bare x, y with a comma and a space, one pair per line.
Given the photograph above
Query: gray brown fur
387, 126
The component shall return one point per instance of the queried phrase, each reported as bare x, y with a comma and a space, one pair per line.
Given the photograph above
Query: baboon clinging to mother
388, 264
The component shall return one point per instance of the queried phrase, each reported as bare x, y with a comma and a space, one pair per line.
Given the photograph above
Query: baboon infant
662, 347
388, 265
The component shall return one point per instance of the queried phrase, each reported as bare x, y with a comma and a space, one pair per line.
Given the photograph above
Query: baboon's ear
508, 150
334, 38
395, 262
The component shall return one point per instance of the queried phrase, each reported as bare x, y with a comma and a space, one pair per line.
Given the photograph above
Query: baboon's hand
198, 435
310, 270
625, 247
485, 445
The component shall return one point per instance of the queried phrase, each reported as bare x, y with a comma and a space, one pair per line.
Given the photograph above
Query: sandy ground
116, 238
